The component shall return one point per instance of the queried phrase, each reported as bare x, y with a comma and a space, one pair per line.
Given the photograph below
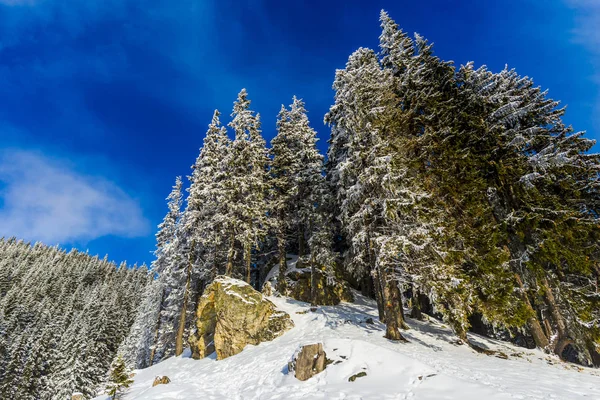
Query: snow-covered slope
430, 367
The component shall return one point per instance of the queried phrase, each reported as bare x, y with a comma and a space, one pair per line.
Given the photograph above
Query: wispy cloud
48, 200
587, 33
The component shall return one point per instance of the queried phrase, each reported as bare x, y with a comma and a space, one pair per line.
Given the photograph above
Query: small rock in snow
355, 376
161, 380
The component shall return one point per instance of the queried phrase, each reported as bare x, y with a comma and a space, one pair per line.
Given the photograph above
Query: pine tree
172, 273
363, 98
207, 197
301, 199
247, 185
119, 378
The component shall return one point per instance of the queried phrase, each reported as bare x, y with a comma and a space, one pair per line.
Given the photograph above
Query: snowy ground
430, 367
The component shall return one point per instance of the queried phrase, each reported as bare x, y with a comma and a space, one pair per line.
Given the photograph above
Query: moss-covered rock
328, 294
230, 315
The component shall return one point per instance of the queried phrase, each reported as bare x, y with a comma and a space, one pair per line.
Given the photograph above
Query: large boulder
308, 361
328, 293
230, 315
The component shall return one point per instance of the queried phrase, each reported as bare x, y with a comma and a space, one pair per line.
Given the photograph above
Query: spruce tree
301, 198
364, 97
172, 275
119, 378
246, 188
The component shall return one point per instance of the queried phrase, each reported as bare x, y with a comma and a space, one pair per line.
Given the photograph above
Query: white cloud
587, 33
44, 199
587, 22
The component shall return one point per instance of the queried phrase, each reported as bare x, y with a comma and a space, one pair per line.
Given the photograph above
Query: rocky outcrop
161, 380
308, 361
328, 294
230, 315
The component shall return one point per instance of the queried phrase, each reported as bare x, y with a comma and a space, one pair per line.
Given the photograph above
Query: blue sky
104, 102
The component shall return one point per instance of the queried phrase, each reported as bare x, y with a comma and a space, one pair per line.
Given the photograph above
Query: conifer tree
172, 273
363, 97
119, 378
301, 199
206, 200
247, 185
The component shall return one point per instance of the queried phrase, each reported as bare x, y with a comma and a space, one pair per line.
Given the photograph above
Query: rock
161, 380
370, 321
298, 288
230, 315
267, 289
77, 396
355, 376
308, 361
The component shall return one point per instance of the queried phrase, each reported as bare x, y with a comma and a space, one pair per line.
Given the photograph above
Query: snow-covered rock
230, 315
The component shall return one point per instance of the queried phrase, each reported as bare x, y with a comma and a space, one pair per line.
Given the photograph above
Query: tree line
63, 316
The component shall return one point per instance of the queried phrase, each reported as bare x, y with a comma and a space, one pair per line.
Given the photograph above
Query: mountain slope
429, 367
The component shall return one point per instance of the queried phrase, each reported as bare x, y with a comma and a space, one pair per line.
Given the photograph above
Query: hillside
62, 318
429, 367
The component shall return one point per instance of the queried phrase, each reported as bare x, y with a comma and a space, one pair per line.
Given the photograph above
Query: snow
430, 367
291, 261
232, 293
225, 280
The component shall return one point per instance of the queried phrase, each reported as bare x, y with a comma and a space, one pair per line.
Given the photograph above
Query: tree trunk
394, 319
547, 327
214, 270
378, 295
248, 259
366, 286
415, 310
541, 340
301, 241
313, 283
377, 281
186, 294
562, 338
281, 245
157, 329
230, 254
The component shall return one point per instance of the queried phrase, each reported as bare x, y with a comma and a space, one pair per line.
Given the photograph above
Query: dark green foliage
504, 194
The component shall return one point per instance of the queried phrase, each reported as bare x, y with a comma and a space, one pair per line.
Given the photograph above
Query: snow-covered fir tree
246, 187
300, 195
171, 267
